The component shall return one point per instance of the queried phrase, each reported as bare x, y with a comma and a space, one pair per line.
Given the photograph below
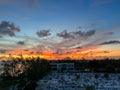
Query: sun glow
74, 54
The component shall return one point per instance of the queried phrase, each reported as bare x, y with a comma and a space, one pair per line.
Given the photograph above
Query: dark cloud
85, 34
2, 51
21, 43
8, 28
78, 33
90, 33
73, 39
43, 33
111, 42
65, 34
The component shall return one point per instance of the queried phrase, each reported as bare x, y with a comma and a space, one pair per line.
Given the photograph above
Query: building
62, 67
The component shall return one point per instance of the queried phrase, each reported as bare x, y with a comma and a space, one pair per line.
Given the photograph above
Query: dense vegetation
24, 73
104, 65
107, 66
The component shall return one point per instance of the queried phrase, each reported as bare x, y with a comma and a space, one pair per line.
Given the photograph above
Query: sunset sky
56, 29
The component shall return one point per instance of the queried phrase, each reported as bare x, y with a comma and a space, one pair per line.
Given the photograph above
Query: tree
24, 71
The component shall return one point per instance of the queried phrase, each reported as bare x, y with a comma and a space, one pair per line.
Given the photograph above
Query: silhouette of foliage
24, 71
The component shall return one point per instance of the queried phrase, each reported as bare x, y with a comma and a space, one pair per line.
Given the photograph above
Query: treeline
109, 66
103, 65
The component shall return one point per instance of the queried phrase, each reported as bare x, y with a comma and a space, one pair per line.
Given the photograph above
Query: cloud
65, 34
90, 33
2, 51
109, 33
70, 40
43, 33
8, 28
76, 34
110, 42
21, 43
84, 34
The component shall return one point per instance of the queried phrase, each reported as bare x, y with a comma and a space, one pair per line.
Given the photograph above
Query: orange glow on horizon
74, 54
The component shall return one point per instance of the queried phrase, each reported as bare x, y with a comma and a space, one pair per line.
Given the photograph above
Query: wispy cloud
71, 40
66, 42
111, 42
84, 34
21, 43
65, 34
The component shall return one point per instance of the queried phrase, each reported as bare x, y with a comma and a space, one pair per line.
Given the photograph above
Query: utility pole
21, 55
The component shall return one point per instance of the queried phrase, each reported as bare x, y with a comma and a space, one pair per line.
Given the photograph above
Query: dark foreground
31, 74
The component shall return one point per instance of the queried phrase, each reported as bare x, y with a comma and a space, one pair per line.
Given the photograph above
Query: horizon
59, 29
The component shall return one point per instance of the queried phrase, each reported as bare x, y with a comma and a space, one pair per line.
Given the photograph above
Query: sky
57, 29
